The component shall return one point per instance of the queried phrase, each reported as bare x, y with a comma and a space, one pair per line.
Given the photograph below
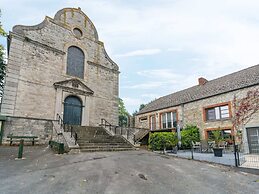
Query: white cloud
132, 101
174, 49
160, 74
150, 96
145, 86
139, 53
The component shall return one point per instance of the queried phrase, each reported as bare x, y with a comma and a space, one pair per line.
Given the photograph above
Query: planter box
218, 152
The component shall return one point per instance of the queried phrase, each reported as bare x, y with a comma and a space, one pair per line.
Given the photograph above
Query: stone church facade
58, 67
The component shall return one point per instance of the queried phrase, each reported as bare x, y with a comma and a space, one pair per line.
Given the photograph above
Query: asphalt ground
42, 171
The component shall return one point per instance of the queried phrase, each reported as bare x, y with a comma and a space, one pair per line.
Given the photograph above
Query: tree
2, 61
142, 106
244, 109
123, 114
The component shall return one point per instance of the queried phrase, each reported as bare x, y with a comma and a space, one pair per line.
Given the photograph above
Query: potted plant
216, 136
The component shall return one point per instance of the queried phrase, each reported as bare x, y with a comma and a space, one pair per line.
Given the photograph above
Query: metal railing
118, 130
67, 128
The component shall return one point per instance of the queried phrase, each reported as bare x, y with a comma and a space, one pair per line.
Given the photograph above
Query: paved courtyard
116, 172
248, 161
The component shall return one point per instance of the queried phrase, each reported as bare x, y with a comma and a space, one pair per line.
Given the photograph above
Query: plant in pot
216, 136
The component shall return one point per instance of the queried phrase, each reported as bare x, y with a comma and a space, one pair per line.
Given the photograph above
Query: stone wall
38, 59
192, 113
29, 127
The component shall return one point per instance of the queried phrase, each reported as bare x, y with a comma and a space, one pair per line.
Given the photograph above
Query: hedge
162, 140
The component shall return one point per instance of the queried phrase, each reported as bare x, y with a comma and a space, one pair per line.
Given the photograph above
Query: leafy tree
2, 61
162, 140
188, 134
123, 114
142, 106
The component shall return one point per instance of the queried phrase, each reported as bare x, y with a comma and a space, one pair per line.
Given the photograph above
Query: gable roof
234, 81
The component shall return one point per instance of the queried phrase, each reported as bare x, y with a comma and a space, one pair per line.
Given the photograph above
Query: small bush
188, 134
162, 140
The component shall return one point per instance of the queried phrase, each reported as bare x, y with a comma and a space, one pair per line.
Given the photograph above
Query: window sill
209, 121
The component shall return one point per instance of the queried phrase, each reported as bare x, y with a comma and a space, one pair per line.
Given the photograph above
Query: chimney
202, 81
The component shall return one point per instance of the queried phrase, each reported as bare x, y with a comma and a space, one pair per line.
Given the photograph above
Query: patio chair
204, 146
196, 146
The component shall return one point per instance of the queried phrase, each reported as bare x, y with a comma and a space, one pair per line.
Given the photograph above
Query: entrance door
152, 122
253, 140
72, 110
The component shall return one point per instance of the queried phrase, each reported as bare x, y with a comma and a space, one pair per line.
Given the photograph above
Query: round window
78, 33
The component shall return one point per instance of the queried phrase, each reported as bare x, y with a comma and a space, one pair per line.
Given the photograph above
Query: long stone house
58, 69
208, 105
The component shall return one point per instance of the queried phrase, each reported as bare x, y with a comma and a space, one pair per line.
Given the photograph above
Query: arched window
75, 62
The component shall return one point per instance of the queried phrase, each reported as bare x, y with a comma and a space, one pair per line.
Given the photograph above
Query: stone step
104, 146
102, 143
106, 149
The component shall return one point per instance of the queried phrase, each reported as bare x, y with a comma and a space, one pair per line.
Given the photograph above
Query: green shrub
162, 140
188, 134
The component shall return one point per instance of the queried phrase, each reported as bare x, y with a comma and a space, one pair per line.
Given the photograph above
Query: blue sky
161, 46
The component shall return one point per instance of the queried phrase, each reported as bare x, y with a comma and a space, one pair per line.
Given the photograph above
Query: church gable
74, 86
81, 24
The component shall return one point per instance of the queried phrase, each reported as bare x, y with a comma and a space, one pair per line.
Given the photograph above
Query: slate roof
234, 81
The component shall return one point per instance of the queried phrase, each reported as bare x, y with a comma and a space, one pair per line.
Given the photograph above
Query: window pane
210, 135
226, 134
217, 113
224, 111
153, 123
211, 114
169, 120
75, 62
174, 120
164, 120
224, 108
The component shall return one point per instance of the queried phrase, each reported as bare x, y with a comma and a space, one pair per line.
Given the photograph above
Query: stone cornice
103, 67
26, 39
74, 88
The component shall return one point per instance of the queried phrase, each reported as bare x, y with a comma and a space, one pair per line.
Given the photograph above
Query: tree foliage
188, 134
141, 106
162, 140
2, 61
123, 114
244, 109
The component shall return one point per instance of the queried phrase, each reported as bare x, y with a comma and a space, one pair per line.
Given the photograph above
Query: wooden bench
17, 138
58, 146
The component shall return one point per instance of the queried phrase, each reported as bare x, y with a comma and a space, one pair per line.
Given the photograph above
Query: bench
17, 138
58, 146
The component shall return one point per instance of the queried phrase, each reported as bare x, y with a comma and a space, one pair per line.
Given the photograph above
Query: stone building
207, 105
58, 67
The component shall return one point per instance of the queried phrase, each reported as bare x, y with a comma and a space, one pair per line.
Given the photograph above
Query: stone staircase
92, 139
141, 134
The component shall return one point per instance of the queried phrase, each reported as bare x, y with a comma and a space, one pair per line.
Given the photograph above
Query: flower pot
218, 152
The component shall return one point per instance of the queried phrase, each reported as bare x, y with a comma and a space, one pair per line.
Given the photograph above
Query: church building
58, 69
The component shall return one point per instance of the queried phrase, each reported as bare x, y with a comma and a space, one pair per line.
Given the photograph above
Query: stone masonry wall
38, 59
29, 127
192, 113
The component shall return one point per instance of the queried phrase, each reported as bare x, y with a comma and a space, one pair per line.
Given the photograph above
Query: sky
161, 46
